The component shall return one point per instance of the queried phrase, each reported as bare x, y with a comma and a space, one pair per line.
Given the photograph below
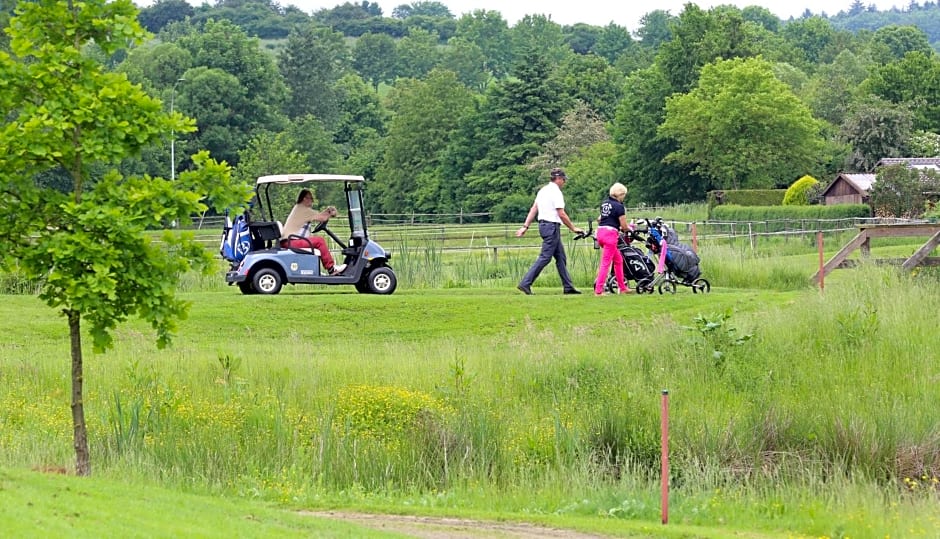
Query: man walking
549, 206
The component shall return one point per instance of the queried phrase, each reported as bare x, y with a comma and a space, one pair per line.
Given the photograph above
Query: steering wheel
321, 225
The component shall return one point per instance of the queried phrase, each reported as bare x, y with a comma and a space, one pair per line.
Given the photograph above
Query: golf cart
266, 266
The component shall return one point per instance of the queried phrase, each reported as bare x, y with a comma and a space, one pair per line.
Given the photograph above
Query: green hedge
747, 197
782, 214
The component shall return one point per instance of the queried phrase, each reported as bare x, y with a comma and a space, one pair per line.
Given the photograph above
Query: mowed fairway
792, 413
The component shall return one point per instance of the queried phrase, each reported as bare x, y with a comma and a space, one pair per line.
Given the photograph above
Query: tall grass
784, 405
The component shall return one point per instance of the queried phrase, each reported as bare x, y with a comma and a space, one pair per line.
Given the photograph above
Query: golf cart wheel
382, 280
701, 285
667, 287
363, 287
247, 288
267, 281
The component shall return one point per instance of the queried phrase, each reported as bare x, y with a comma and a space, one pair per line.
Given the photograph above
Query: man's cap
558, 173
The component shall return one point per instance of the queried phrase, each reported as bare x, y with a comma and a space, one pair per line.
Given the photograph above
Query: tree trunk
79, 429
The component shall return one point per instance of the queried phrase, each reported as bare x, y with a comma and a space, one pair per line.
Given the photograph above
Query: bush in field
512, 208
799, 193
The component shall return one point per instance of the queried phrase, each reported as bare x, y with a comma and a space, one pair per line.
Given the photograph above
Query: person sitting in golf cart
296, 231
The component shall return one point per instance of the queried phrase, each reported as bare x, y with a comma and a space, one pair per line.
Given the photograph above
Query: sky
626, 13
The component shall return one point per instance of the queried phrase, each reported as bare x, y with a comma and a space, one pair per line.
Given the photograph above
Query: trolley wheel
667, 287
701, 285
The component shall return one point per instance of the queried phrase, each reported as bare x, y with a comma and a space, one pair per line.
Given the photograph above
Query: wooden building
848, 189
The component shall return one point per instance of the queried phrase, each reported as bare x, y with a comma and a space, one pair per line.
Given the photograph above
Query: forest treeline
446, 113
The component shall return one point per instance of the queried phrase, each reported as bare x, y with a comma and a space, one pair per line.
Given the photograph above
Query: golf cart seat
300, 250
264, 234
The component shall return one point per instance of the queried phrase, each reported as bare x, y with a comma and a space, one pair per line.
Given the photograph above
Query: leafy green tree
925, 144
613, 41
899, 190
361, 114
517, 117
425, 116
375, 57
163, 12
700, 37
875, 129
591, 79
743, 128
811, 36
914, 80
761, 16
891, 43
581, 37
422, 8
159, 66
834, 87
417, 53
311, 63
235, 89
538, 32
88, 247
655, 28
489, 31
640, 159
466, 59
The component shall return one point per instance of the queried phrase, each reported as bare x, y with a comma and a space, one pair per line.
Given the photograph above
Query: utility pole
173, 132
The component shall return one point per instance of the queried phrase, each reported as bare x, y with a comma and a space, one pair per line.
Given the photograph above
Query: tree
235, 91
88, 246
890, 43
700, 37
466, 59
591, 79
876, 128
311, 63
417, 53
375, 57
641, 153
425, 117
538, 32
899, 190
489, 31
914, 80
743, 128
655, 28
163, 12
518, 116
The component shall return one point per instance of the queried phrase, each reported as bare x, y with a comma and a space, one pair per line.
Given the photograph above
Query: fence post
664, 455
496, 255
750, 235
694, 238
822, 263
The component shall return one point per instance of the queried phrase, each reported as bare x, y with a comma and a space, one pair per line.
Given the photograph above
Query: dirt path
453, 528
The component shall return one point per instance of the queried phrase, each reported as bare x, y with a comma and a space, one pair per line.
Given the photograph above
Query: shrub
799, 193
746, 197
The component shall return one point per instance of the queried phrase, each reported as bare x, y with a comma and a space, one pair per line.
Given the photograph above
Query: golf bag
681, 260
236, 239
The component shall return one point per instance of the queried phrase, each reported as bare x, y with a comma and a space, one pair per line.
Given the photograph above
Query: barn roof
915, 162
860, 182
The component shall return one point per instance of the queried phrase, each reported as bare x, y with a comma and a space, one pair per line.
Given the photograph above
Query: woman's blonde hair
618, 190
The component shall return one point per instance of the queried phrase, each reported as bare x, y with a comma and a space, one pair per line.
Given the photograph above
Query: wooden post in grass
822, 262
694, 238
664, 443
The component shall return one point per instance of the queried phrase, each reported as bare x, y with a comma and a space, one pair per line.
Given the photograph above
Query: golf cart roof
304, 178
